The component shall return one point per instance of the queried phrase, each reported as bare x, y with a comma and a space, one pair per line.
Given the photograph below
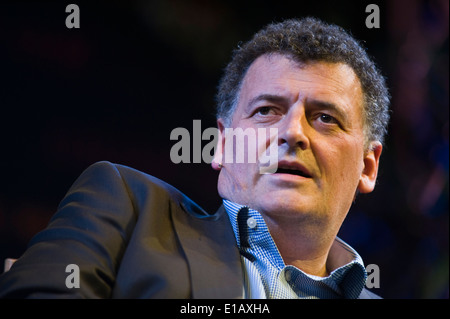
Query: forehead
280, 75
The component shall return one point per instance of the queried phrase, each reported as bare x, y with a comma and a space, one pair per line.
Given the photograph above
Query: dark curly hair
306, 40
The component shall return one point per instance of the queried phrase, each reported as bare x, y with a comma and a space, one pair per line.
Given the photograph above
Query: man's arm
91, 229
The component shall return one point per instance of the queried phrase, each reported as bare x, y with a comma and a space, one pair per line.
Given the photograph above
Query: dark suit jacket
132, 236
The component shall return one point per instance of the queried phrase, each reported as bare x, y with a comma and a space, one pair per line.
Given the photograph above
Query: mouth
292, 168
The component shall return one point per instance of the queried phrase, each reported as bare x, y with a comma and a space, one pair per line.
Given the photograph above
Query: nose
293, 130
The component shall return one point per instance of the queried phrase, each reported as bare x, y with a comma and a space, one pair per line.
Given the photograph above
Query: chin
287, 207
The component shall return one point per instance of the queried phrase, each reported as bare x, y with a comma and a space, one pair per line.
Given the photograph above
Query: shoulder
106, 169
104, 172
141, 187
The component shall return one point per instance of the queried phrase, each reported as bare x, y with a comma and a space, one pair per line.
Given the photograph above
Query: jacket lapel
211, 251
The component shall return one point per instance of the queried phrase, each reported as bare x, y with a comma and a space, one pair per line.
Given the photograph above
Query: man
134, 236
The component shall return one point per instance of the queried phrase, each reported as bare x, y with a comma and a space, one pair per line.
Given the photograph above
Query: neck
303, 246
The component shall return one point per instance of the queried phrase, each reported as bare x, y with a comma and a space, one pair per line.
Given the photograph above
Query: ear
218, 154
370, 171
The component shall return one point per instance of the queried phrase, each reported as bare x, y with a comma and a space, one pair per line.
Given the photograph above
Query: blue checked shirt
266, 275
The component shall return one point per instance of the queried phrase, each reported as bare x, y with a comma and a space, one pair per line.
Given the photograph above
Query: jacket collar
210, 247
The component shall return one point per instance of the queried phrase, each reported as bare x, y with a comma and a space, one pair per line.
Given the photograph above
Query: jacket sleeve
90, 230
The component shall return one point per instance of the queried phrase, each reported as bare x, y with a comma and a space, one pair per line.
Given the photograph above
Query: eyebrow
278, 99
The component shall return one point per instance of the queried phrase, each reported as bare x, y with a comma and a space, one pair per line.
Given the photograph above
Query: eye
264, 110
266, 114
327, 119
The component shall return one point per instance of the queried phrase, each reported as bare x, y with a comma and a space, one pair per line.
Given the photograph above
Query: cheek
243, 175
340, 165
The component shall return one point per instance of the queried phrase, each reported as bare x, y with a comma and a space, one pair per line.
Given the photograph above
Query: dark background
115, 88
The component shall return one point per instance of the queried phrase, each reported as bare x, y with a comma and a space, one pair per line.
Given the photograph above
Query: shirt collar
342, 258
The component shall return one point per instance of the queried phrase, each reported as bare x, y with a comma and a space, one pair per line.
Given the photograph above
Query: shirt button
287, 275
251, 222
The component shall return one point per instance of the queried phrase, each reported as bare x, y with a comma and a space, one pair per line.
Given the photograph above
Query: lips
292, 168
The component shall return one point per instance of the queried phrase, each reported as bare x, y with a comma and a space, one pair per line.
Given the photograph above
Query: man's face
318, 111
